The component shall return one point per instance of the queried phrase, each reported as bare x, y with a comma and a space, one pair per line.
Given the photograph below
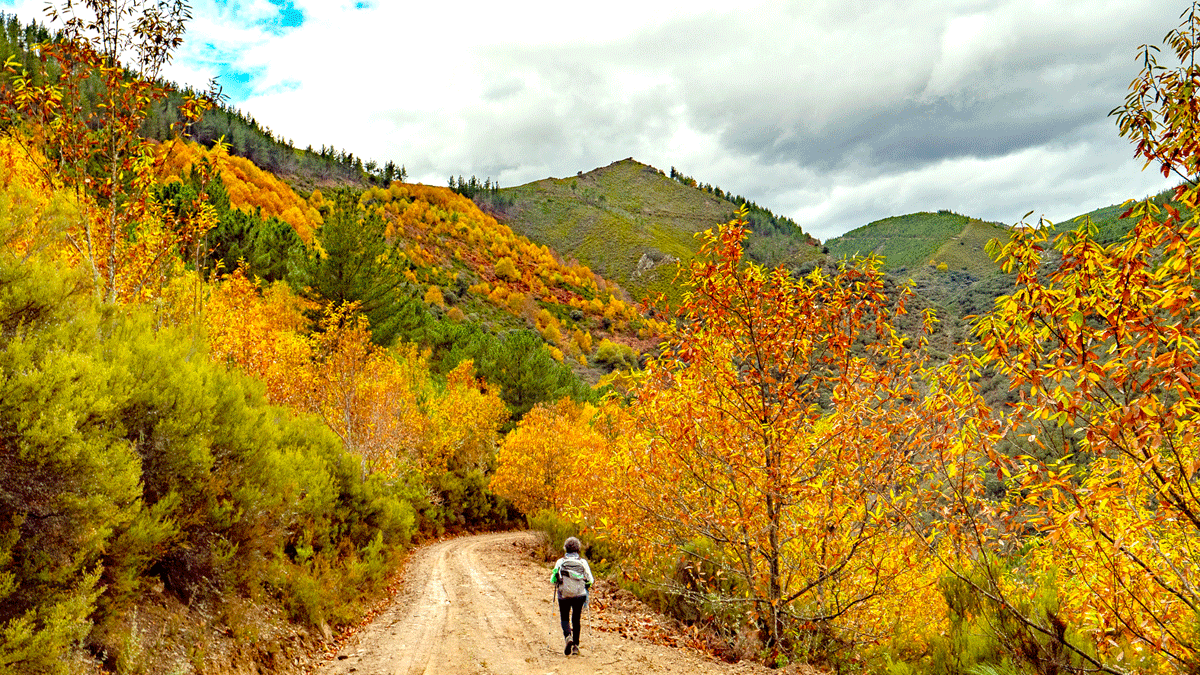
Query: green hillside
943, 255
919, 239
966, 251
1110, 226
630, 222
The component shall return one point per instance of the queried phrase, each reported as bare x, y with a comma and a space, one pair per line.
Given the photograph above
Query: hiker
572, 577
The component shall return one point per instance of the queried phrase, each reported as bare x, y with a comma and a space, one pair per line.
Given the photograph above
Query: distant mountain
631, 223
924, 240
944, 254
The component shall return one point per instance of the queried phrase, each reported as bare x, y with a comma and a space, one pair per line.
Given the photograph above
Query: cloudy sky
833, 113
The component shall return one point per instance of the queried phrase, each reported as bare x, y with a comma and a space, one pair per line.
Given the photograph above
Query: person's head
571, 545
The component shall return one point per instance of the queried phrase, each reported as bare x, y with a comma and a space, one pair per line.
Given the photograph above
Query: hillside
944, 254
923, 239
629, 222
1110, 226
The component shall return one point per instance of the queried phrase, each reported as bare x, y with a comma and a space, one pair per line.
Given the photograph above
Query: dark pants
569, 610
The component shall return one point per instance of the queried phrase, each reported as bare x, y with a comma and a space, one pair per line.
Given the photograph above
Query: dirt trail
481, 604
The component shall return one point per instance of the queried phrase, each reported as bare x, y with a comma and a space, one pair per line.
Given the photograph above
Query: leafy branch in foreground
83, 106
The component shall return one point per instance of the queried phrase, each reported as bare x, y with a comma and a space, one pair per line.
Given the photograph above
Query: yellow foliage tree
505, 269
433, 296
550, 460
1107, 345
516, 302
366, 395
33, 224
765, 446
262, 333
464, 423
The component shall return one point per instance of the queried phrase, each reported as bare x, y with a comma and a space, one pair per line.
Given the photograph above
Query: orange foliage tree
1106, 339
248, 186
763, 447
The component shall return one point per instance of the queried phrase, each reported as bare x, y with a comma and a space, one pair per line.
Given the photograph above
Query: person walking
572, 578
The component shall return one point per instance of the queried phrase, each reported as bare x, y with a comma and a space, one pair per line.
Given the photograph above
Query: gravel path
481, 604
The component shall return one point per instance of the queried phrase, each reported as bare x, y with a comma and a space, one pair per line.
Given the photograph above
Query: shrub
68, 482
140, 458
506, 269
615, 356
433, 296
602, 557
983, 635
516, 302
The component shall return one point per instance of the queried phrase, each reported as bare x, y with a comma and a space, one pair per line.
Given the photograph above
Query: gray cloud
836, 113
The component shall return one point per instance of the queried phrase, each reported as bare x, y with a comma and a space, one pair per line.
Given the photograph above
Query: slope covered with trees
243, 136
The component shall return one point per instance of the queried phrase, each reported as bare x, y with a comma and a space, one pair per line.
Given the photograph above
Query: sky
835, 114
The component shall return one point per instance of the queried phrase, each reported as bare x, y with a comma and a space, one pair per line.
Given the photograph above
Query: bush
615, 356
602, 557
465, 503
68, 482
505, 269
986, 637
433, 296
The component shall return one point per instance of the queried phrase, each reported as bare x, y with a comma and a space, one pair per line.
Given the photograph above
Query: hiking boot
575, 648
567, 649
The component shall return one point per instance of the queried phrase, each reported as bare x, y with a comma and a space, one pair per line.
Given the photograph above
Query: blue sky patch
236, 84
289, 16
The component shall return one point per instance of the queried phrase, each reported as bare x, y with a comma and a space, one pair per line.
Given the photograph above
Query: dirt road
481, 604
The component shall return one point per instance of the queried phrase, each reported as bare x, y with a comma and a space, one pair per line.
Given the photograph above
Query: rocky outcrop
651, 259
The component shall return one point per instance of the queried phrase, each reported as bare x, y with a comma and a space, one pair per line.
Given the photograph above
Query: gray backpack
572, 579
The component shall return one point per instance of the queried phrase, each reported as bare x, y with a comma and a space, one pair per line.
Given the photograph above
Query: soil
483, 604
